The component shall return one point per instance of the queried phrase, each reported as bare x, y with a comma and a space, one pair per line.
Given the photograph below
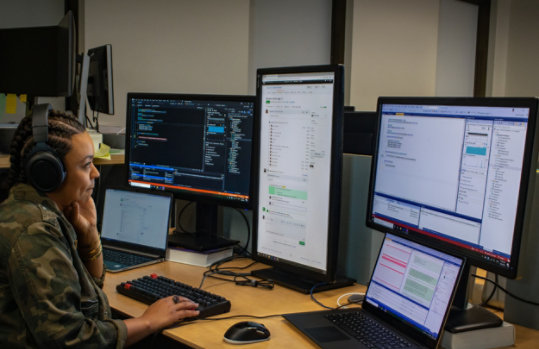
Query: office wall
394, 50
207, 46
513, 53
455, 58
171, 46
498, 47
522, 76
288, 33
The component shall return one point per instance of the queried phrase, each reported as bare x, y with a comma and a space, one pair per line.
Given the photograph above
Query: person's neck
54, 198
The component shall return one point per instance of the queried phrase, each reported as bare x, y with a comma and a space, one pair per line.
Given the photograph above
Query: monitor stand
464, 318
205, 238
298, 282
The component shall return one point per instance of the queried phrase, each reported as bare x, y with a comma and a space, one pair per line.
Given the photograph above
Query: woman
51, 269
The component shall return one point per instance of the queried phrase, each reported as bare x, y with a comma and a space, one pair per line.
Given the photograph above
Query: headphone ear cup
44, 170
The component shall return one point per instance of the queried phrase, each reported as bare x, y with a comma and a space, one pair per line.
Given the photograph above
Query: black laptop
134, 228
406, 304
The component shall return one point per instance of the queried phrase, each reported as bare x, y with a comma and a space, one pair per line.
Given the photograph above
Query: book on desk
492, 337
198, 258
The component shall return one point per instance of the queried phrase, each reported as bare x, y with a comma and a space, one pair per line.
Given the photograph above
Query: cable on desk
484, 302
185, 323
180, 214
215, 269
316, 300
242, 280
506, 291
216, 265
245, 248
339, 305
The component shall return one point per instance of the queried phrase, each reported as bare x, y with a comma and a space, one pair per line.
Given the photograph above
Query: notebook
409, 294
134, 228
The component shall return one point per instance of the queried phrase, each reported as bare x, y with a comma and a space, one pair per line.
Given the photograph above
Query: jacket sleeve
46, 288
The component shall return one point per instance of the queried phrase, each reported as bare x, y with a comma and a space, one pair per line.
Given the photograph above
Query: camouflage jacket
47, 297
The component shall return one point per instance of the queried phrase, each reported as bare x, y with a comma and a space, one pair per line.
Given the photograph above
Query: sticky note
11, 103
103, 152
23, 98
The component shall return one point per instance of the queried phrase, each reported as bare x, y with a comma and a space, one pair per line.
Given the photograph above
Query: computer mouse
246, 332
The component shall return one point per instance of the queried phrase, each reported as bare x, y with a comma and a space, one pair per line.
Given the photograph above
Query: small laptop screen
136, 218
414, 283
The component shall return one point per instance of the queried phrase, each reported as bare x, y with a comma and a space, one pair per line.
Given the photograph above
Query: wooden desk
246, 301
116, 159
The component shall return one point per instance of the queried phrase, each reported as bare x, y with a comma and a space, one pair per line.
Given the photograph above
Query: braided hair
62, 126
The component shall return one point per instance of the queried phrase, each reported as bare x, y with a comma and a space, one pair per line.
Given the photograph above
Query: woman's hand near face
83, 217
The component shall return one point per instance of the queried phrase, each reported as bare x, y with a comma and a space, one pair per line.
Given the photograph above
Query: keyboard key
124, 258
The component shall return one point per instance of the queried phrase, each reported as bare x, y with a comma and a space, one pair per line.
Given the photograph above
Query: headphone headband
40, 122
44, 168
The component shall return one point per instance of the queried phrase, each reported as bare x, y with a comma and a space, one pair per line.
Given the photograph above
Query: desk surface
115, 159
245, 301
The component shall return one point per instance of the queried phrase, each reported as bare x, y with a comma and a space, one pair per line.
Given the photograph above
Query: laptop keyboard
148, 289
124, 258
367, 330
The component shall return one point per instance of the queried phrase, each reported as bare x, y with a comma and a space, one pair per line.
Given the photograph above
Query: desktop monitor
197, 147
296, 215
454, 173
100, 89
358, 132
39, 61
95, 84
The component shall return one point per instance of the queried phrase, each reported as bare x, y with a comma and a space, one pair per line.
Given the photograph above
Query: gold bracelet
93, 254
88, 248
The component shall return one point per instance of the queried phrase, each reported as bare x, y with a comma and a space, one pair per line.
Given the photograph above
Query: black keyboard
124, 258
367, 330
150, 288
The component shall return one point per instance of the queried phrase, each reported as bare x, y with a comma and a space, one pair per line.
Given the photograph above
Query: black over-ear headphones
44, 168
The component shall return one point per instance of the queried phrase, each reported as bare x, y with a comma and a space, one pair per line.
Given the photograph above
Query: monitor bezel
186, 195
101, 56
143, 249
45, 64
528, 173
335, 175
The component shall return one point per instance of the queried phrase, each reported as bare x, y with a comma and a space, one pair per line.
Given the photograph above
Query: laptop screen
136, 218
414, 283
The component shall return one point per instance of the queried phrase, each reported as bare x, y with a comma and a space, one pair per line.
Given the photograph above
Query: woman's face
80, 172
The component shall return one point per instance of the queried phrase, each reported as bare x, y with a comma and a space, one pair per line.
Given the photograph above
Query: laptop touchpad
326, 334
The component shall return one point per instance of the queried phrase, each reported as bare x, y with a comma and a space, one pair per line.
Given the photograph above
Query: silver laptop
134, 228
407, 302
